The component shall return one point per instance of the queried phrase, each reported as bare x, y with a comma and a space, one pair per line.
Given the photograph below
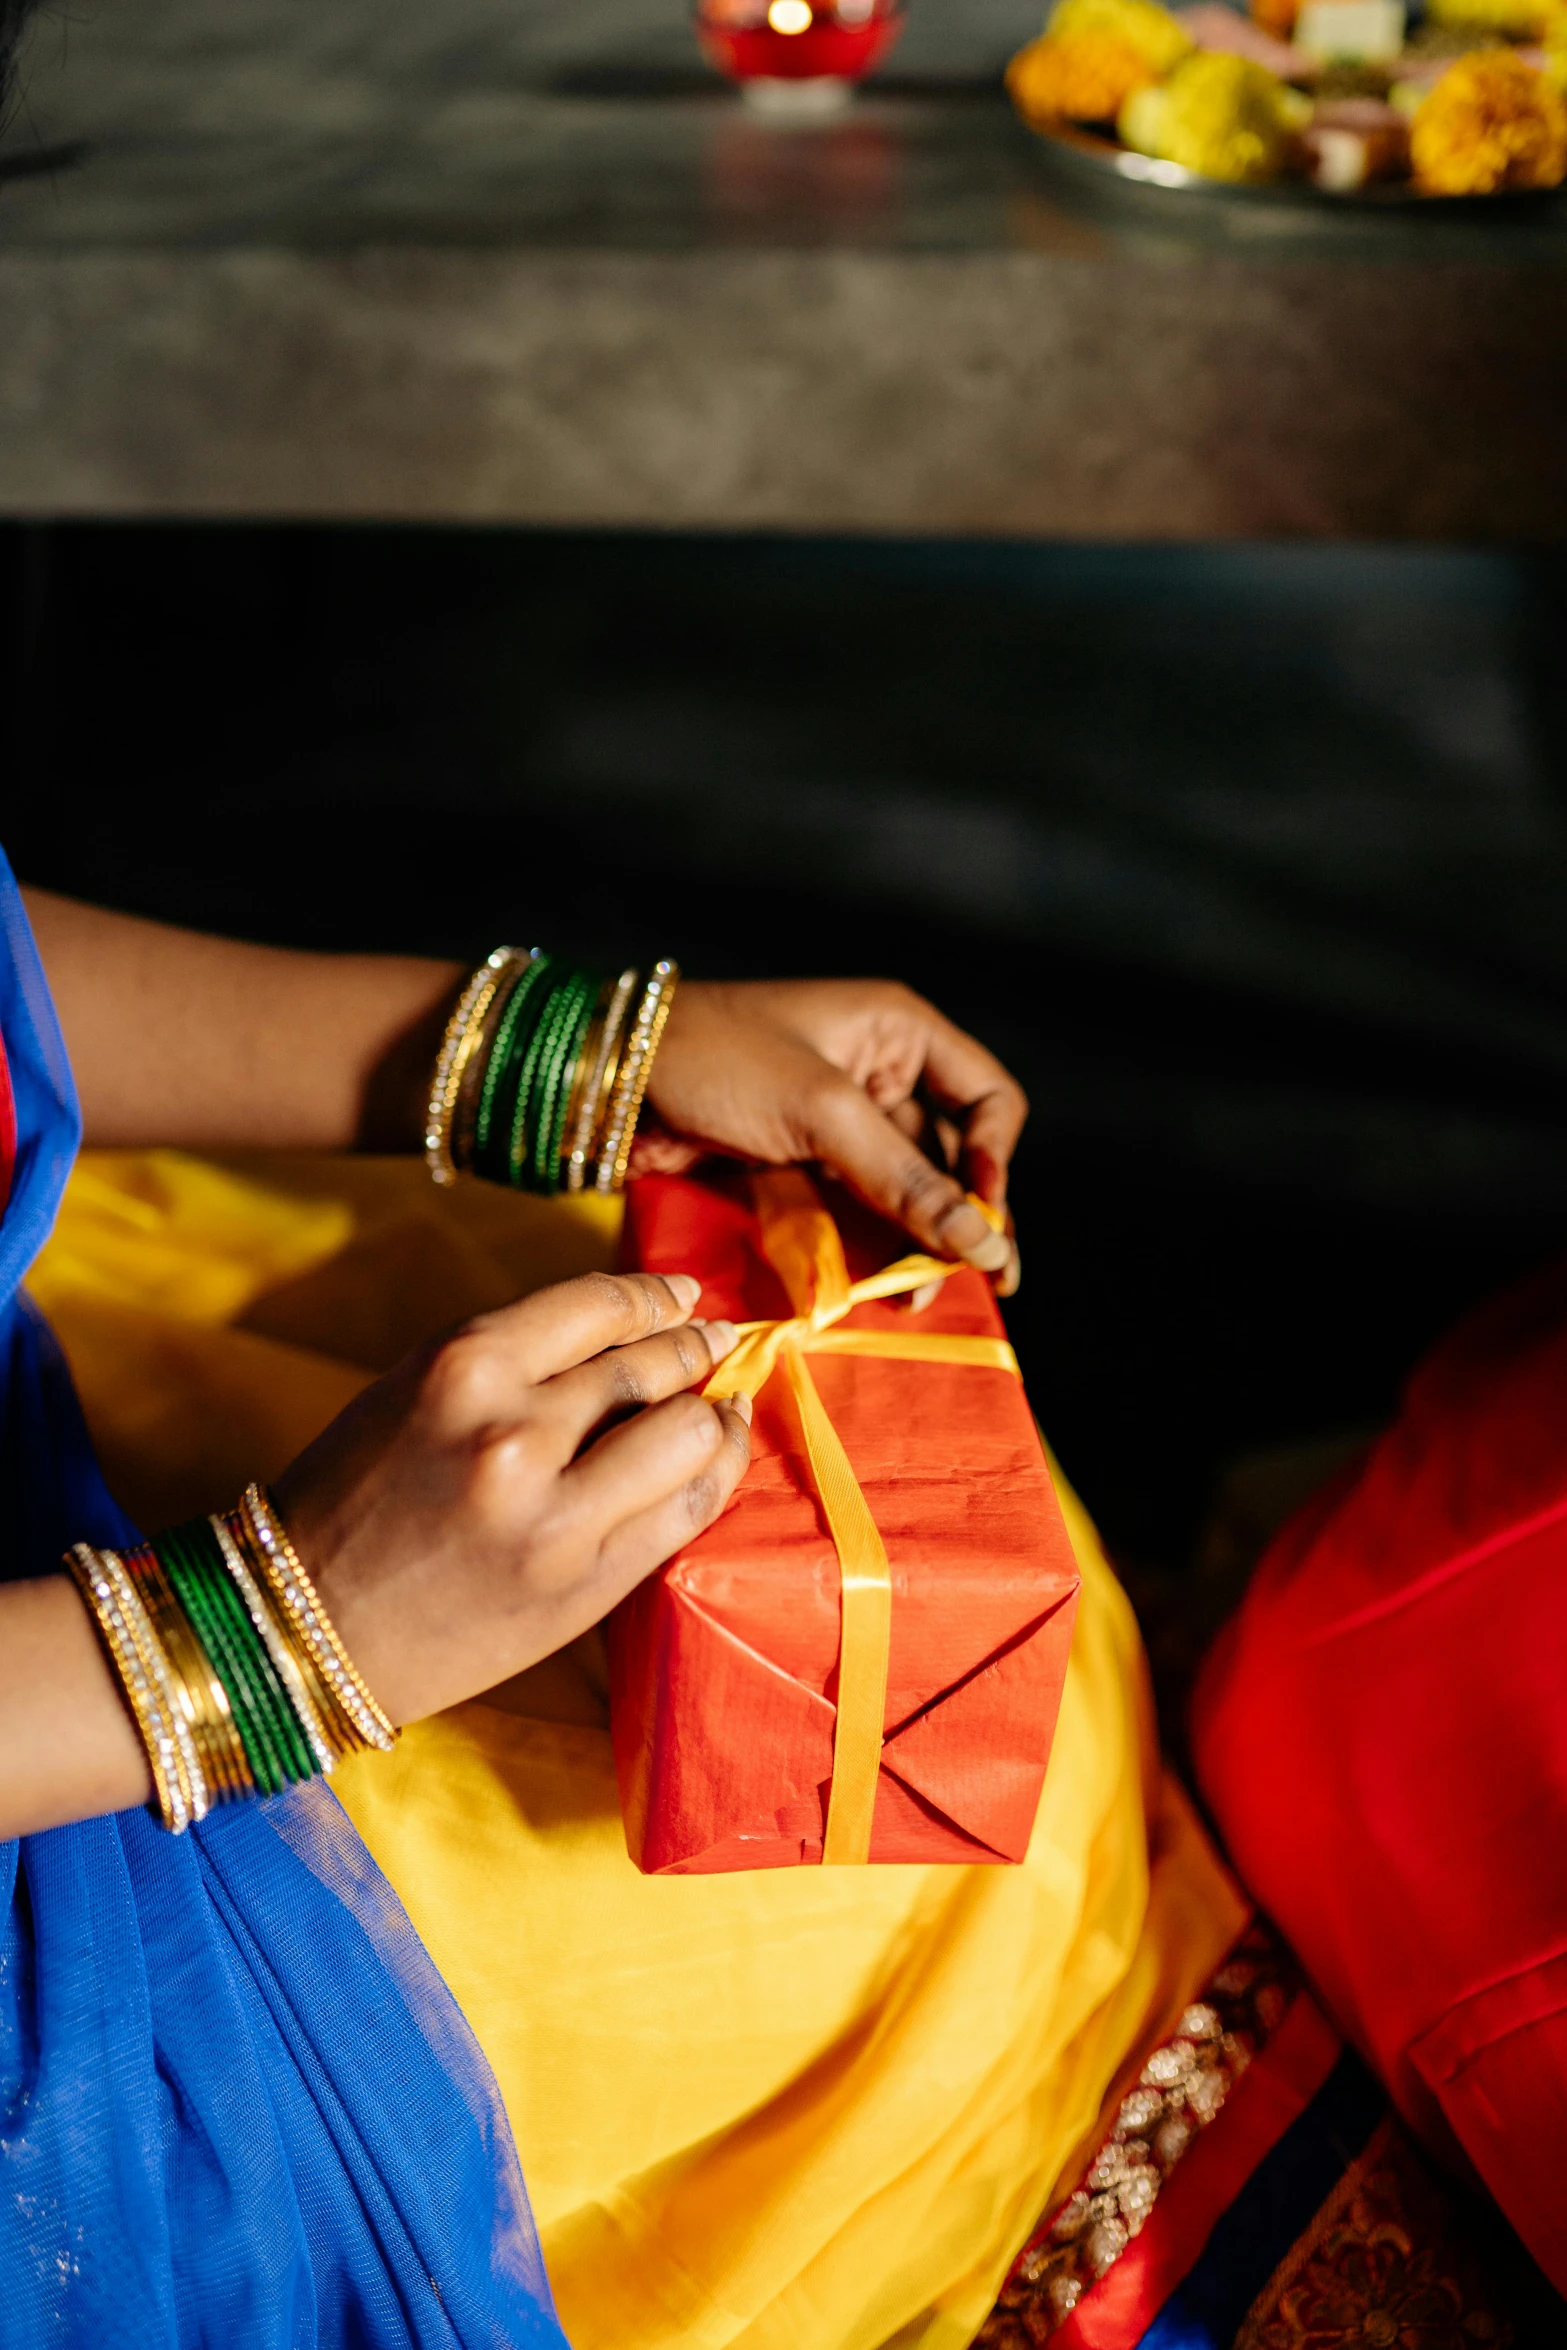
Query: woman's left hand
852, 1073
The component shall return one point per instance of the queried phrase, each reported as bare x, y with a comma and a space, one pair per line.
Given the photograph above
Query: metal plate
1149, 171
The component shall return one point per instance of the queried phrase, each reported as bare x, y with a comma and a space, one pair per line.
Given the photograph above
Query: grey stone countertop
494, 260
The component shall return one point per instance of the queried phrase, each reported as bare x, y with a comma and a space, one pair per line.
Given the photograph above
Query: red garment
1382, 1735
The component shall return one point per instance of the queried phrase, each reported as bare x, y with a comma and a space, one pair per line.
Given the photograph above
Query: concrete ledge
1012, 393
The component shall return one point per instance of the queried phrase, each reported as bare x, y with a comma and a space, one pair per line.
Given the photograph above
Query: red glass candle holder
833, 42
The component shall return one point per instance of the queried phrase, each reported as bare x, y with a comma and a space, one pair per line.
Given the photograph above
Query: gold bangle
277, 1647
189, 1778
609, 1090
461, 1035
579, 1085
143, 1674
631, 1082
465, 1117
309, 1624
202, 1696
584, 1122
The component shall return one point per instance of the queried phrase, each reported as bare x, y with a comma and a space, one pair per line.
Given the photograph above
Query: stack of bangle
542, 1072
232, 1671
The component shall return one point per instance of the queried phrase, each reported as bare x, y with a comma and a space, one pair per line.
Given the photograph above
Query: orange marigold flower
1083, 77
1491, 122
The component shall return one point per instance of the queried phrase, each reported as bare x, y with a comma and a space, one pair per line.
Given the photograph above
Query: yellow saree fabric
809, 2109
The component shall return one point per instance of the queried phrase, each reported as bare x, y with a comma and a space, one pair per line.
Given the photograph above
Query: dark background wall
1250, 861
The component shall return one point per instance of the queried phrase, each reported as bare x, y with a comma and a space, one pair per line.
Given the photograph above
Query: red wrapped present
863, 1659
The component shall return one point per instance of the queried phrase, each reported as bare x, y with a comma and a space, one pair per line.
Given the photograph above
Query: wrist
68, 1748
396, 1078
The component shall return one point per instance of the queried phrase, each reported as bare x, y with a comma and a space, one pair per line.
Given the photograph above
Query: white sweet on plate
1365, 31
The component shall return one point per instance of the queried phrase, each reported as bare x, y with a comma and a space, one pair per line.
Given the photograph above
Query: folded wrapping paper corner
863, 1659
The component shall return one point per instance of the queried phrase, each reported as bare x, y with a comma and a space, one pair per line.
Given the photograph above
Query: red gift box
749, 1724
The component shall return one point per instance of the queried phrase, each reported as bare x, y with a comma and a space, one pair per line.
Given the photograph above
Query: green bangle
524, 1087
553, 1169
202, 1599
511, 1093
194, 1594
260, 1759
541, 1057
274, 1743
549, 1113
516, 1055
526, 1080
528, 991
548, 1103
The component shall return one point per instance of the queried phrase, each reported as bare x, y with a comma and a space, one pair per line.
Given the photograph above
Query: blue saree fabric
238, 2106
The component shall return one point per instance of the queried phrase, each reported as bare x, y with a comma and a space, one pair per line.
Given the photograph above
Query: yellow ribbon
802, 1245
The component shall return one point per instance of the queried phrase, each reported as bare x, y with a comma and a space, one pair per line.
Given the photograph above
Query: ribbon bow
802, 1245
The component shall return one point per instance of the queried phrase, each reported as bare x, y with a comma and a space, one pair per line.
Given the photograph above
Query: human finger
640, 1543
557, 1328
853, 1138
639, 1463
909, 1118
647, 1372
962, 1075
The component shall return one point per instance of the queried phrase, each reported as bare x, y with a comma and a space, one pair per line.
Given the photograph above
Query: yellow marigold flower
1086, 79
1510, 20
1221, 116
1556, 49
1491, 122
1152, 31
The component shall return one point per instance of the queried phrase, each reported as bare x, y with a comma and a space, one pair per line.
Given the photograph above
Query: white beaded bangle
636, 1068
310, 1623
591, 1106
461, 1036
177, 1776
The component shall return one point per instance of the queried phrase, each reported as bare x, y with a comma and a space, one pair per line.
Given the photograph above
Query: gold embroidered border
1384, 2265
1179, 2092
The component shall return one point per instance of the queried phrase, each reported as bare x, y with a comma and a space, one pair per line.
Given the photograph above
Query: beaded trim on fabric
1180, 2090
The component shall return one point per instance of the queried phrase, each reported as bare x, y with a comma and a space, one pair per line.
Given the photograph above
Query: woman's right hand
489, 1499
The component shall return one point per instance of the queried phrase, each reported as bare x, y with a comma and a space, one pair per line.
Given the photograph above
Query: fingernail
964, 1229
925, 1295
993, 1212
1009, 1282
721, 1337
684, 1288
742, 1404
